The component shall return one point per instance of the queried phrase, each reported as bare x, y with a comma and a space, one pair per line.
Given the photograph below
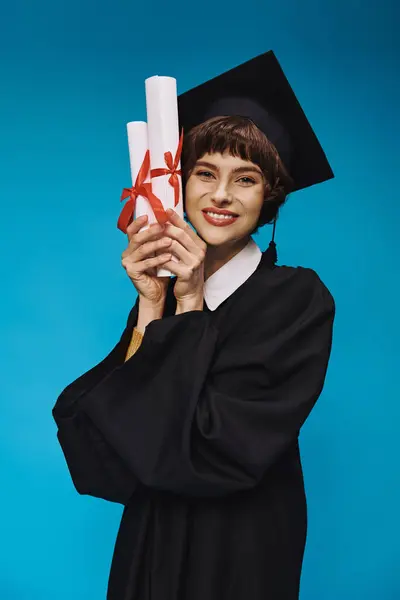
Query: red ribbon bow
140, 189
172, 170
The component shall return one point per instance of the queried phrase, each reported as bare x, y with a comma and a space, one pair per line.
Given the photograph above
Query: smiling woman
196, 431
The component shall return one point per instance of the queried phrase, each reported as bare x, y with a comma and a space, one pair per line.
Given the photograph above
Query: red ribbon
140, 189
172, 170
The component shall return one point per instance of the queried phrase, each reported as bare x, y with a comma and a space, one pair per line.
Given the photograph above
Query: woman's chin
216, 236
213, 236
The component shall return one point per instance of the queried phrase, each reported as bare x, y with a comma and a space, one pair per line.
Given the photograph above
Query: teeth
216, 216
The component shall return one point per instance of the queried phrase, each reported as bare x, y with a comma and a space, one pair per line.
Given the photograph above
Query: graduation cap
258, 89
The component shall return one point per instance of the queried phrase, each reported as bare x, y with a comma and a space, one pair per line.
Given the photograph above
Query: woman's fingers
137, 236
178, 269
141, 251
135, 268
188, 258
185, 272
145, 254
136, 226
180, 224
186, 241
148, 263
179, 239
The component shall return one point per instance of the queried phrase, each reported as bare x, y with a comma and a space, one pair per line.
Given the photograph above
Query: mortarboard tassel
272, 252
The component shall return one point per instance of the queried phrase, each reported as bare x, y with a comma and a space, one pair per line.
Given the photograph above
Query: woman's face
223, 181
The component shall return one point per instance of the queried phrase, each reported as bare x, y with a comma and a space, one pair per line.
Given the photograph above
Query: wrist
188, 305
147, 313
155, 307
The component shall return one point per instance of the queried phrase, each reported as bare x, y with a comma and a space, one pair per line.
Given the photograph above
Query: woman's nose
221, 192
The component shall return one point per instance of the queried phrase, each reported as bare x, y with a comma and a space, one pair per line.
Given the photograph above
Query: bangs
239, 136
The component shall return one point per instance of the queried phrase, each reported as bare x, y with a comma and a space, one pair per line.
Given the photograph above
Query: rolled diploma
163, 132
138, 145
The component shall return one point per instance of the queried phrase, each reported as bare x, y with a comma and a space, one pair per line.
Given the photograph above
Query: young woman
192, 421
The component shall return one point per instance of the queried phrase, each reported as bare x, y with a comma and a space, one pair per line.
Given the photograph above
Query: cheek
254, 201
193, 191
188, 197
187, 193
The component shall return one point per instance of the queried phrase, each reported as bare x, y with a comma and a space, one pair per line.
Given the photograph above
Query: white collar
231, 275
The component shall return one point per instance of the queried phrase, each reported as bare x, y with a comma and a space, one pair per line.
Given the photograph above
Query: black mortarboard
258, 89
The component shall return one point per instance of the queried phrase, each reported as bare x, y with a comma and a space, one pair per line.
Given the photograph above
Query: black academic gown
197, 436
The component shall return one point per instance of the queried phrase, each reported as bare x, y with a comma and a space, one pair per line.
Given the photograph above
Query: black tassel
272, 252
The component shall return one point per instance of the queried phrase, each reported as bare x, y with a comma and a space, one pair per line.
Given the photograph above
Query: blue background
72, 75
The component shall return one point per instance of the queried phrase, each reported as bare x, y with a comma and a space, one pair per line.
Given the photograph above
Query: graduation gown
197, 436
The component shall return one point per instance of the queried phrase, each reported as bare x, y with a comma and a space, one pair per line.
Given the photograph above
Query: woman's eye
205, 174
247, 180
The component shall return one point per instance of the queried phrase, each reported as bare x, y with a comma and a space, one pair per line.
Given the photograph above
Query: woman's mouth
219, 220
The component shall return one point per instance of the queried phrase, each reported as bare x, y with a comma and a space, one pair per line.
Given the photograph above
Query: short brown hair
240, 137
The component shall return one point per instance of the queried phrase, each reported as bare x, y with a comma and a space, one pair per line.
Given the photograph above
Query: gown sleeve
95, 468
193, 416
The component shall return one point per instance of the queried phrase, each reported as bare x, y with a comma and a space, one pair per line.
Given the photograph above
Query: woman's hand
141, 264
191, 251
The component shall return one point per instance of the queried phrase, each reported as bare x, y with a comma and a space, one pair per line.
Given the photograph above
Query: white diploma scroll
163, 136
138, 146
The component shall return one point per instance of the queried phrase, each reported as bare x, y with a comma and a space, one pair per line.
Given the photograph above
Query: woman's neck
218, 256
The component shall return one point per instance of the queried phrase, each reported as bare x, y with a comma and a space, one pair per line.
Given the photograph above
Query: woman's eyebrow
204, 163
247, 170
